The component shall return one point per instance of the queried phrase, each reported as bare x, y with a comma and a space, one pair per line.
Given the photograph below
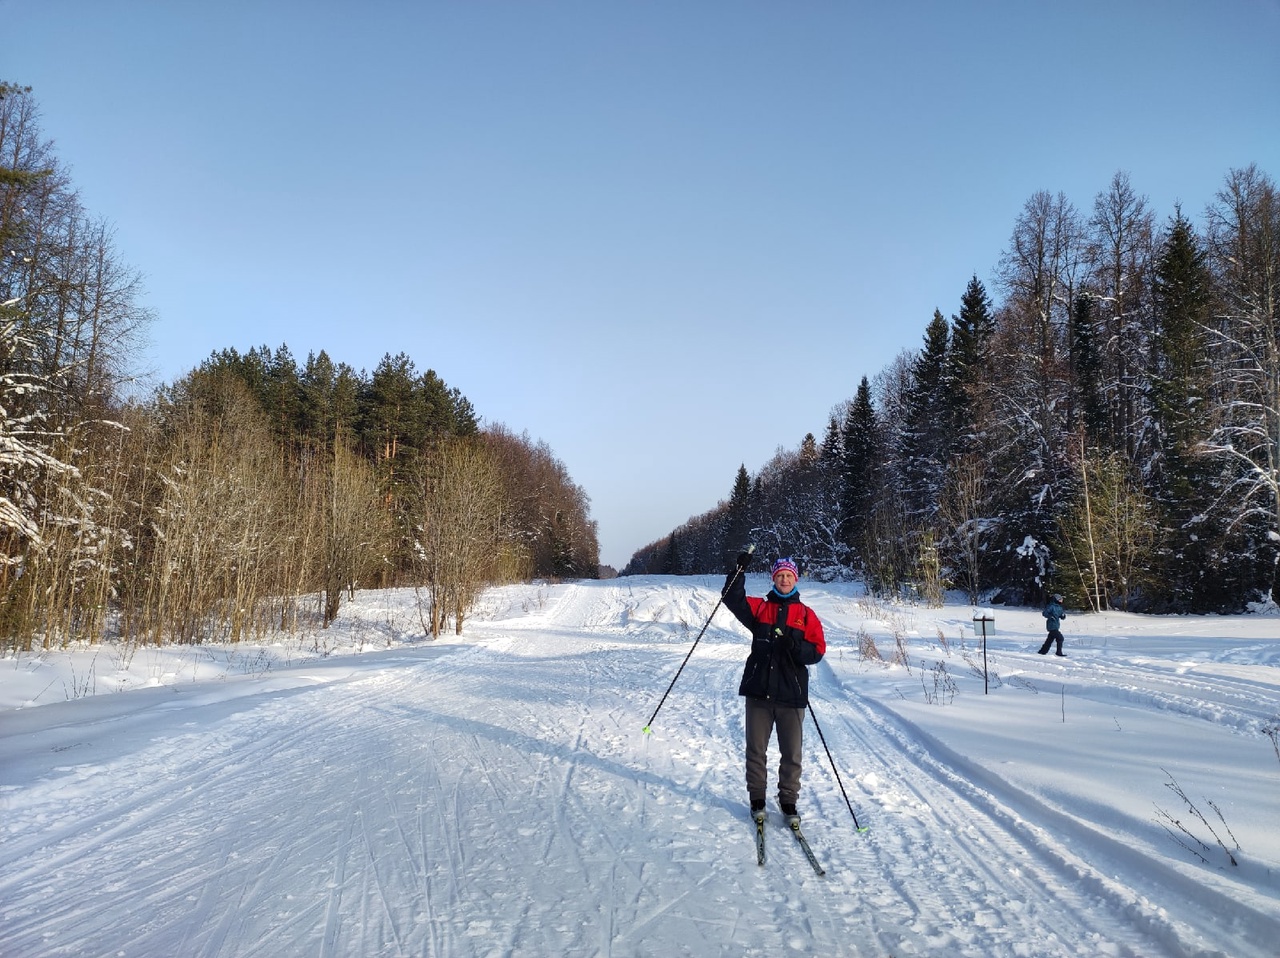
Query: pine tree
328, 399
446, 412
391, 417
282, 396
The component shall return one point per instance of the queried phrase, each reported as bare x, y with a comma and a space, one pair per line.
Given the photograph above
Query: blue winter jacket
1054, 614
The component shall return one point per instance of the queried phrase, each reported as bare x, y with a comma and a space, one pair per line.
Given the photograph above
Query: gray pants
762, 718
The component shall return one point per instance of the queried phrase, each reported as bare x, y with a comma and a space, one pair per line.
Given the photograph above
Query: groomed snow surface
363, 792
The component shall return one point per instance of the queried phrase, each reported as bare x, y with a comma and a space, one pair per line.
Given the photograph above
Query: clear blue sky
603, 221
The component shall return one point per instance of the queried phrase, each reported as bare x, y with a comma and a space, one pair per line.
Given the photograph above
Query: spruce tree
738, 519
671, 557
832, 449
925, 438
966, 361
1090, 409
1185, 483
862, 452
1183, 300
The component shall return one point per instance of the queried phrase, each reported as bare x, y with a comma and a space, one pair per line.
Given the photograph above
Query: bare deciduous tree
1120, 250
964, 510
357, 530
461, 526
1244, 243
1108, 535
222, 524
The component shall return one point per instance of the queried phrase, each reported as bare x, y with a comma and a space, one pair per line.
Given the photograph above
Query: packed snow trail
496, 797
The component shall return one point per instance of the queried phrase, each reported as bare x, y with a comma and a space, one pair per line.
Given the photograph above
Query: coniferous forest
1104, 422
252, 494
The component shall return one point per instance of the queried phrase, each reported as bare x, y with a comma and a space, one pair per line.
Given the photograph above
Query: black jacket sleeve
803, 652
734, 594
796, 639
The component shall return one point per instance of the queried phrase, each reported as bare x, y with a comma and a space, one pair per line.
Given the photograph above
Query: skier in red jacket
786, 638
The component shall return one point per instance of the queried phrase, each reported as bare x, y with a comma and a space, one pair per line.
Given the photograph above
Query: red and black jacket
787, 637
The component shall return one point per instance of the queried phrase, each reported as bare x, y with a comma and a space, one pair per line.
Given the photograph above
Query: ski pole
648, 730
833, 769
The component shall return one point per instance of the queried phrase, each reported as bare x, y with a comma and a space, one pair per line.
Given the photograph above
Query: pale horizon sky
667, 238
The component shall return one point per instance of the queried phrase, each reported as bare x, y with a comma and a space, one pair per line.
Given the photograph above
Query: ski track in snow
978, 860
498, 798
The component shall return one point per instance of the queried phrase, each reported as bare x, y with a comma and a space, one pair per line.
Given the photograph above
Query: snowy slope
363, 793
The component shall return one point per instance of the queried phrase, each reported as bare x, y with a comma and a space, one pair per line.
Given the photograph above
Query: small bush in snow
1272, 732
1182, 834
944, 686
867, 648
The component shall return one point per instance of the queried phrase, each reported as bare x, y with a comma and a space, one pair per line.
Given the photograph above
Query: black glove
743, 561
787, 637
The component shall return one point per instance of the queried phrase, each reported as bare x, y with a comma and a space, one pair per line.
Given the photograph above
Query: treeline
253, 493
1109, 427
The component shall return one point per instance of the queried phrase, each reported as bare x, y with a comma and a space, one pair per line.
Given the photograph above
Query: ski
804, 845
760, 841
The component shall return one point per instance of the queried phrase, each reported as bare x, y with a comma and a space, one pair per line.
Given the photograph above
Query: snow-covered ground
363, 792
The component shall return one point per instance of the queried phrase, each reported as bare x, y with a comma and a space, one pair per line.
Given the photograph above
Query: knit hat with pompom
785, 565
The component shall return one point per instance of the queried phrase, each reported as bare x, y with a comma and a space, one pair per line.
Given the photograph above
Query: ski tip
646, 730
864, 829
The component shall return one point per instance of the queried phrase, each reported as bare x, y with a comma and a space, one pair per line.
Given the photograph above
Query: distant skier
1053, 616
786, 638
